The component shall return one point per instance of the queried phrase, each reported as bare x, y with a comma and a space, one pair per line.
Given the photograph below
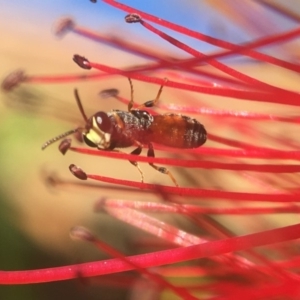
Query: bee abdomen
177, 131
195, 134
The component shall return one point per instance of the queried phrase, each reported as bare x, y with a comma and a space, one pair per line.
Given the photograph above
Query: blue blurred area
193, 14
100, 16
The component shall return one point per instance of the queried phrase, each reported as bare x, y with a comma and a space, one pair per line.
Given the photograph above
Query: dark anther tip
93, 1
64, 146
109, 93
77, 172
133, 18
63, 26
82, 62
12, 80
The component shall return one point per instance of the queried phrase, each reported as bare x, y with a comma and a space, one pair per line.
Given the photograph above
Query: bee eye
89, 142
103, 121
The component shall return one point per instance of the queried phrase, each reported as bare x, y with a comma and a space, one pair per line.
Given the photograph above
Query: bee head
98, 131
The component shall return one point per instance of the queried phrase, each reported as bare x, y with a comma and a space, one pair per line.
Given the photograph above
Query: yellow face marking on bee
98, 137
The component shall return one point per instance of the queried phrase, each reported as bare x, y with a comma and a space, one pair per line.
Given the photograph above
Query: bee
138, 127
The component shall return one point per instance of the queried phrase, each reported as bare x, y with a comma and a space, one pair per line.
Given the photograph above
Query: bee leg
137, 151
159, 169
152, 103
139, 148
131, 102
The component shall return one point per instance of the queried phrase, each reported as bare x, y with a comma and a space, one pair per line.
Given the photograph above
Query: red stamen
84, 234
158, 258
202, 193
293, 98
245, 50
195, 209
279, 168
220, 66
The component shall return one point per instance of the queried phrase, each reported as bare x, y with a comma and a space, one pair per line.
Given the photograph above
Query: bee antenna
59, 137
79, 104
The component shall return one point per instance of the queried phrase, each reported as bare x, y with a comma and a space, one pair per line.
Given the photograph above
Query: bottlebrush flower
229, 229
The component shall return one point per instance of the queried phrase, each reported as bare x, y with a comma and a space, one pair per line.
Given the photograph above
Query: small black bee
137, 127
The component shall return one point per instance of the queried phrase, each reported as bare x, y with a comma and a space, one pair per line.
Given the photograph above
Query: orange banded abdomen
174, 130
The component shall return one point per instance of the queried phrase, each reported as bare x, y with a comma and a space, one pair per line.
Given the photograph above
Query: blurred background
35, 216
